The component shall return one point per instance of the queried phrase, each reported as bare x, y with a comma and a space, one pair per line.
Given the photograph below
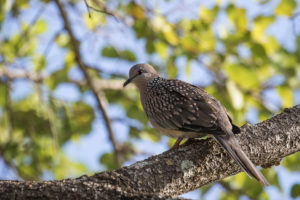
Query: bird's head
140, 74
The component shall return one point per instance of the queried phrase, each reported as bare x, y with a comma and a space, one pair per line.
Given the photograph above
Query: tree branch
173, 172
20, 74
88, 77
99, 84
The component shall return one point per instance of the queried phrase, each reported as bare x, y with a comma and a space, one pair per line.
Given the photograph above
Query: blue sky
90, 147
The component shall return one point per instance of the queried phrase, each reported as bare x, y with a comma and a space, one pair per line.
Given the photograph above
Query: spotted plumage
177, 105
182, 110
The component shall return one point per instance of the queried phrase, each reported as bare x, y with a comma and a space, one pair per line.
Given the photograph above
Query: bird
181, 110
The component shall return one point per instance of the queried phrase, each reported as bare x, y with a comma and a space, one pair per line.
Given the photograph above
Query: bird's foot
177, 143
190, 141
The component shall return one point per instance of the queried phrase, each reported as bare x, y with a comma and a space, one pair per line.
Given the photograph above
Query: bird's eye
139, 72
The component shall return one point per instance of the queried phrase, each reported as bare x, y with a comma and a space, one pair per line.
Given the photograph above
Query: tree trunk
173, 172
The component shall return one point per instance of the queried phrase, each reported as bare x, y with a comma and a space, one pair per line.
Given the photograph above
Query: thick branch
173, 172
88, 77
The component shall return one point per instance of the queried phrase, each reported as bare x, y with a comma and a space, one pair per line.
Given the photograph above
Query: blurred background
64, 113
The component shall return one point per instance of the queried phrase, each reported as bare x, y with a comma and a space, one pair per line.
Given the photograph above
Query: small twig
88, 8
105, 10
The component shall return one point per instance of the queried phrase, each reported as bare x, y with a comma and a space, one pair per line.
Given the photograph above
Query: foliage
241, 56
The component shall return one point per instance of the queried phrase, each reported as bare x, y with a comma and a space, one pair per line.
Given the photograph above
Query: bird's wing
178, 105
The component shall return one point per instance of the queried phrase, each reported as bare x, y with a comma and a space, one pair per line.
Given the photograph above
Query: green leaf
128, 55
109, 52
39, 62
208, 15
161, 25
136, 11
295, 191
242, 75
286, 7
150, 49
150, 134
188, 68
271, 46
286, 94
82, 117
63, 40
258, 50
238, 17
235, 95
134, 132
272, 177
3, 92
207, 41
108, 160
39, 27
292, 162
112, 52
94, 21
171, 68
69, 60
259, 27
162, 49
228, 196
57, 77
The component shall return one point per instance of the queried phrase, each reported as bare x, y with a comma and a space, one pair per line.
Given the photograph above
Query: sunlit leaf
286, 94
112, 52
69, 59
286, 7
152, 135
162, 49
108, 160
39, 27
292, 162
237, 17
272, 177
161, 25
295, 191
136, 10
259, 27
208, 15
235, 95
171, 68
39, 62
94, 21
63, 40
242, 75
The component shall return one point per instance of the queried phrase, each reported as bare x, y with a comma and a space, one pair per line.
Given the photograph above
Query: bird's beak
128, 81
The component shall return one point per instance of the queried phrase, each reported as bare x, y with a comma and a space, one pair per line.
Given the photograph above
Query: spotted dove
182, 110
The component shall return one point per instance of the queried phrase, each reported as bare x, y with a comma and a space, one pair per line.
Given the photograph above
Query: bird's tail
231, 145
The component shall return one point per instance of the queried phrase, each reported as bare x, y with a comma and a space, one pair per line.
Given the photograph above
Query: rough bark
173, 172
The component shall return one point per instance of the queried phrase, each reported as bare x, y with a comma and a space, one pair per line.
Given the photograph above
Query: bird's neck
143, 87
143, 84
